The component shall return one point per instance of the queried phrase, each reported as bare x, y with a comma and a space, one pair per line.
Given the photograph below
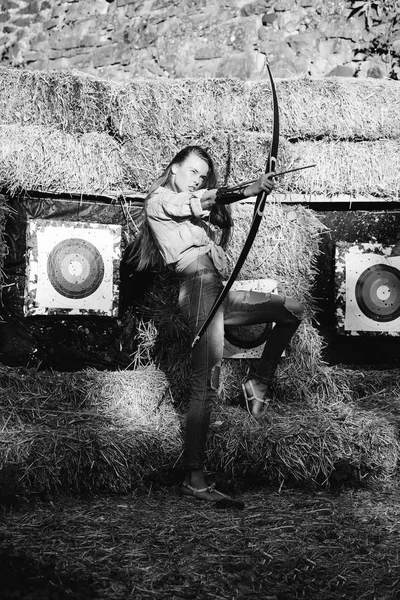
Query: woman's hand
208, 199
263, 184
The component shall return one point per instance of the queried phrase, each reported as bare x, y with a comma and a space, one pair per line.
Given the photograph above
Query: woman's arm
263, 184
165, 203
208, 199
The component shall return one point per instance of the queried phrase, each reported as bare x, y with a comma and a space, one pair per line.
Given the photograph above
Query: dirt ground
285, 544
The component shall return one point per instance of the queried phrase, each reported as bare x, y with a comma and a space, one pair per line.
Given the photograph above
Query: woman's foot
255, 396
196, 487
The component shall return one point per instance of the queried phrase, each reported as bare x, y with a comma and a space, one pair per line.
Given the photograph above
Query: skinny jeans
197, 294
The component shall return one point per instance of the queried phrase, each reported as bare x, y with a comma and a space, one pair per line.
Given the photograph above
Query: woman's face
190, 174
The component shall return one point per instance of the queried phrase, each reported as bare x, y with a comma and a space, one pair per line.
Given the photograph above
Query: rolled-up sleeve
179, 204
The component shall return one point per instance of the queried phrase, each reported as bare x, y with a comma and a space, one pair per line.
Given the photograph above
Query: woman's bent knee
294, 307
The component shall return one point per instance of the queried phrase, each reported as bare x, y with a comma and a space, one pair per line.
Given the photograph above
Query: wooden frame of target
72, 268
234, 348
368, 290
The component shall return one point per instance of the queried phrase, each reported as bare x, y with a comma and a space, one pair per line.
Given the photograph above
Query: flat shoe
253, 397
223, 501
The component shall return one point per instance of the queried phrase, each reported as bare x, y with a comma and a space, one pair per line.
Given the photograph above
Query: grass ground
285, 545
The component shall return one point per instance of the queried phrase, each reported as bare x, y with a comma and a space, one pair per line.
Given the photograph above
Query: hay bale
73, 101
70, 101
303, 443
111, 431
45, 159
285, 248
364, 168
140, 125
35, 158
86, 431
330, 108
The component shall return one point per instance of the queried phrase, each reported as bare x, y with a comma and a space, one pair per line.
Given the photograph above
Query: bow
228, 195
259, 208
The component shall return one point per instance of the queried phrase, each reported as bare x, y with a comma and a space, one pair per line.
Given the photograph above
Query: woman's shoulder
156, 195
161, 192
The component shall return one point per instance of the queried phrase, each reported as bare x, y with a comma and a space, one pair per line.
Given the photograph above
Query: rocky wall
125, 39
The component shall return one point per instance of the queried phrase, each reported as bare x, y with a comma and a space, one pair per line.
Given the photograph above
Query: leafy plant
382, 21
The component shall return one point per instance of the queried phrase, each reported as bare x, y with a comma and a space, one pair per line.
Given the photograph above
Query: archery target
372, 291
75, 268
248, 341
72, 268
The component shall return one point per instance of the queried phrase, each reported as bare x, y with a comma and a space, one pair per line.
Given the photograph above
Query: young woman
179, 231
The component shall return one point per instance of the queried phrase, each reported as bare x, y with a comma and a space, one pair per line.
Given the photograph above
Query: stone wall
125, 39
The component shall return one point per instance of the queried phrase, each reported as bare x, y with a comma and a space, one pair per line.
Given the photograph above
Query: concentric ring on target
377, 293
75, 268
248, 336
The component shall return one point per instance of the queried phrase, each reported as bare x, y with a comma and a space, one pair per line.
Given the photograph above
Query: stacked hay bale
349, 128
65, 131
96, 431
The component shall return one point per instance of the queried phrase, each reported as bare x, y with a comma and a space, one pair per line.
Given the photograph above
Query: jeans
196, 297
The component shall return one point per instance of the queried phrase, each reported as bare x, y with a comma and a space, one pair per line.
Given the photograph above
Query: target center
75, 268
383, 292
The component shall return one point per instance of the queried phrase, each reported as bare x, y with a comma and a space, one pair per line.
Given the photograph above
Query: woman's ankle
195, 478
260, 388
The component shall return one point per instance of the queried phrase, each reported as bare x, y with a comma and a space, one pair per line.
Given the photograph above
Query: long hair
143, 252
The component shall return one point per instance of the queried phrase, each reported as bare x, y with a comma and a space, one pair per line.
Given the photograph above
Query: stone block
374, 69
105, 55
341, 71
253, 8
283, 5
342, 28
59, 63
39, 38
51, 24
58, 9
240, 65
39, 65
275, 45
290, 21
346, 48
285, 68
65, 42
262, 33
327, 47
302, 43
153, 68
170, 4
207, 52
32, 8
242, 34
33, 55
320, 66
90, 40
269, 18
142, 34
80, 61
396, 46
125, 2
